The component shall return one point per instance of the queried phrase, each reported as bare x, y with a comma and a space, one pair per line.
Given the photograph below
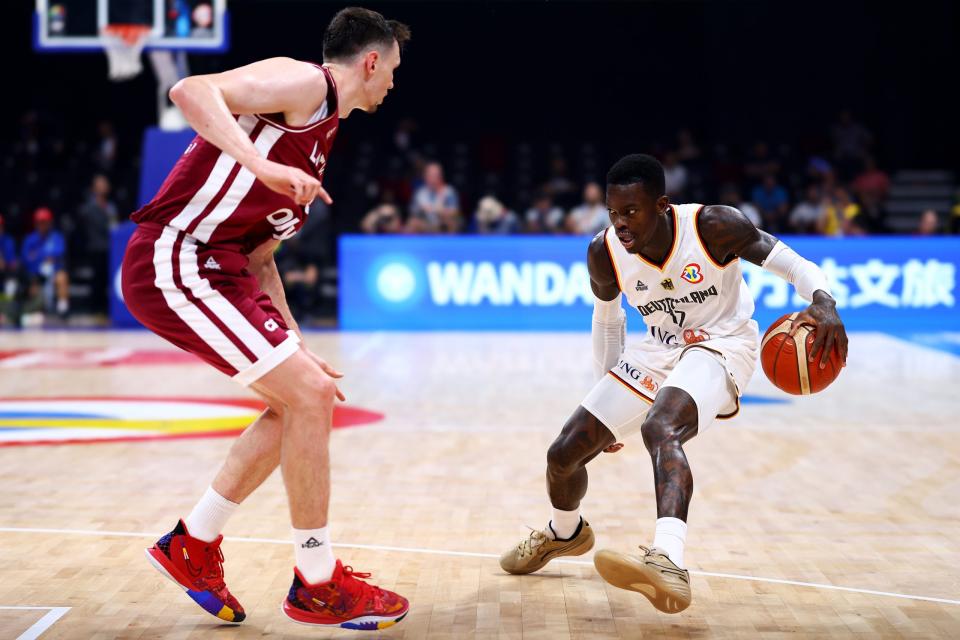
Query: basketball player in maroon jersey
199, 271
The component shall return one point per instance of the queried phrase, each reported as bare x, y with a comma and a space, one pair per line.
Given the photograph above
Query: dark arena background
463, 328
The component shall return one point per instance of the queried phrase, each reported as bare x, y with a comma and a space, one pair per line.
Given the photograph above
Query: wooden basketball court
828, 516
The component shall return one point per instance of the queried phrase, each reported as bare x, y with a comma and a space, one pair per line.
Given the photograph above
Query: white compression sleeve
609, 334
805, 276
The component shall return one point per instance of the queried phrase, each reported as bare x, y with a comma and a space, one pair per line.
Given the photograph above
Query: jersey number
682, 316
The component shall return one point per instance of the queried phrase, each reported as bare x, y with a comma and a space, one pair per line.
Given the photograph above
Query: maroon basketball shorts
201, 299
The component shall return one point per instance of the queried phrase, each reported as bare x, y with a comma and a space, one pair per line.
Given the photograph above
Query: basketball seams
783, 327
809, 378
800, 343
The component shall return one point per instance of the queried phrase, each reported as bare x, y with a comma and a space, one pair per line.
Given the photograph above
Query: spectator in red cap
44, 263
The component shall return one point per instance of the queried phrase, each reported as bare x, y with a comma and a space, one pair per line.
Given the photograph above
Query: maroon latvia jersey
209, 196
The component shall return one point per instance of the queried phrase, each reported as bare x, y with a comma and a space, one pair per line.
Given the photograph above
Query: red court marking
96, 358
343, 417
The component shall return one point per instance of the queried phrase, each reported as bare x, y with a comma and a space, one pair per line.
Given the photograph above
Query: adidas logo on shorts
211, 264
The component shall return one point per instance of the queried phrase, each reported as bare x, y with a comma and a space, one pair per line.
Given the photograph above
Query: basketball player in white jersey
679, 266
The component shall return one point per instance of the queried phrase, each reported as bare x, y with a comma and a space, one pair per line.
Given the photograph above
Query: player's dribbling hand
329, 370
822, 314
292, 182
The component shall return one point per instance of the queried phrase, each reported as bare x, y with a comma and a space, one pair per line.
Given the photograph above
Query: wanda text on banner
541, 283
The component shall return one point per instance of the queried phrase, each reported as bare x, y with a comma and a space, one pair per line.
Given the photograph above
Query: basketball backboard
77, 25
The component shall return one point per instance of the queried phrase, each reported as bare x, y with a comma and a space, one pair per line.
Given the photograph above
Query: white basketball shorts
713, 372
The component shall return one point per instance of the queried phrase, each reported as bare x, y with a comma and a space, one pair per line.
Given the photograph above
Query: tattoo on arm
728, 234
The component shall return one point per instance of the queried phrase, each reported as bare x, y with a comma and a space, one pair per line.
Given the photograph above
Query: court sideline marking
37, 628
470, 554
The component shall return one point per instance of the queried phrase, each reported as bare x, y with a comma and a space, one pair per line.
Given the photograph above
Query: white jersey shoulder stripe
214, 182
238, 189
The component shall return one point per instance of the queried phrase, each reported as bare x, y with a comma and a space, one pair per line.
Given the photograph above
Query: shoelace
357, 578
213, 560
529, 545
676, 571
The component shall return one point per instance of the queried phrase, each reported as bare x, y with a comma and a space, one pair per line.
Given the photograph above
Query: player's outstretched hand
293, 182
329, 370
822, 314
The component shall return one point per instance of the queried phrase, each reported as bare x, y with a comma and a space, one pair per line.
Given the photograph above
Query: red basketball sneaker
344, 601
197, 567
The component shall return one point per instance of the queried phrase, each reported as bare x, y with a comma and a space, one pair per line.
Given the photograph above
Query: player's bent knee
658, 429
561, 456
316, 392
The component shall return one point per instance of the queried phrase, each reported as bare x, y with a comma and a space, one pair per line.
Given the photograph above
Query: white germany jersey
690, 298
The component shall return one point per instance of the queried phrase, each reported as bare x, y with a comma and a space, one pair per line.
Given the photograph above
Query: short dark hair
639, 167
354, 28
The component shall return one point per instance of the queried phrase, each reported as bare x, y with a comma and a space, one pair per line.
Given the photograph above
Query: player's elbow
181, 92
177, 92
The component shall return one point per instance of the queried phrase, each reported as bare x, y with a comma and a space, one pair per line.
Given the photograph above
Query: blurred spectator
806, 217
300, 260
403, 135
493, 218
543, 216
45, 265
97, 218
872, 218
873, 184
674, 175
955, 214
772, 201
687, 149
382, 219
105, 153
819, 171
760, 163
558, 185
851, 142
730, 196
725, 168
9, 271
929, 223
839, 211
435, 206
591, 216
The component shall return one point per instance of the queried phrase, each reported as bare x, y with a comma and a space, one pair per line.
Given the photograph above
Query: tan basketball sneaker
539, 548
664, 584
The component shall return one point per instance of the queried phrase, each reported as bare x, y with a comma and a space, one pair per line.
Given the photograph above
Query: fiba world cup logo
691, 273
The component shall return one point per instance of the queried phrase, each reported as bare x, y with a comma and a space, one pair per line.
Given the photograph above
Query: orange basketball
784, 359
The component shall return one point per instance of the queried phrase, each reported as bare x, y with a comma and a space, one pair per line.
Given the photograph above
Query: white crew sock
671, 535
208, 518
314, 554
564, 523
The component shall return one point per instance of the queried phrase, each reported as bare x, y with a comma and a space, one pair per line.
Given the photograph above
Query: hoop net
124, 44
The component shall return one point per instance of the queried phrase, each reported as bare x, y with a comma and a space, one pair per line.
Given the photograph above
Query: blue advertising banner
119, 315
161, 150
897, 284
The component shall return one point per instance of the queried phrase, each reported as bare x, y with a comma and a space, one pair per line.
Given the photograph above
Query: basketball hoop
123, 44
